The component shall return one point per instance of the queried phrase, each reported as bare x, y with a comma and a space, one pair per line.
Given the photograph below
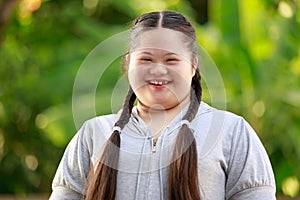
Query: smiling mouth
158, 83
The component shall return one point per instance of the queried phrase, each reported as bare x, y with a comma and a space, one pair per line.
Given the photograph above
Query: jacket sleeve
71, 175
249, 173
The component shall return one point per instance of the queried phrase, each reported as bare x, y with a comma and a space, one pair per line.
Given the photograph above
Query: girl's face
160, 70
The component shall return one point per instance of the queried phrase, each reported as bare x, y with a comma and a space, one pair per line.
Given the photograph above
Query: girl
171, 145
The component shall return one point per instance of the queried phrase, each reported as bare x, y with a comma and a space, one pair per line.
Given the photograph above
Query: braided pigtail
183, 172
196, 85
102, 183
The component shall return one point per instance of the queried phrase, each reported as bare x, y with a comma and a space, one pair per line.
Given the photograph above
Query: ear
194, 64
125, 62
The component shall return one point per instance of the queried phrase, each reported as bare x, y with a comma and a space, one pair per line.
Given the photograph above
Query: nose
158, 69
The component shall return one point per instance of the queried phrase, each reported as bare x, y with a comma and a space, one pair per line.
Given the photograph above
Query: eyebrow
171, 53
145, 52
149, 53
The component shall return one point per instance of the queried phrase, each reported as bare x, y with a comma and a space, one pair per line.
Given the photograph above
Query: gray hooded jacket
232, 161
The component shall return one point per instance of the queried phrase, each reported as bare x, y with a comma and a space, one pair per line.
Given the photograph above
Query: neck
157, 117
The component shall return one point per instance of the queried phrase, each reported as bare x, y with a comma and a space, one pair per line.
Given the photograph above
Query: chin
164, 105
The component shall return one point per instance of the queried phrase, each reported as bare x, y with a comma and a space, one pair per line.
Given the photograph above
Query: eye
172, 60
145, 59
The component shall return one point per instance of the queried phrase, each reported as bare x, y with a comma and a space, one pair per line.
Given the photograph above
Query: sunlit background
254, 43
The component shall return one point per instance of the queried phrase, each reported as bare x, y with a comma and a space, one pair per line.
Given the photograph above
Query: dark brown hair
183, 172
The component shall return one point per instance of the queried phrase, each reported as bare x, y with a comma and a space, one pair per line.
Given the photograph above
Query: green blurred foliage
254, 43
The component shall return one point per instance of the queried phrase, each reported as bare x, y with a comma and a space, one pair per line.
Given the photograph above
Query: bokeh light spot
26, 8
290, 186
41, 121
31, 162
259, 108
90, 4
2, 142
285, 10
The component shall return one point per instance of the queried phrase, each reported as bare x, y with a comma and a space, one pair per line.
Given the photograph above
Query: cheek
188, 75
136, 77
183, 76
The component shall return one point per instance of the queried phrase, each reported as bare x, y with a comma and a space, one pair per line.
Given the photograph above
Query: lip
158, 83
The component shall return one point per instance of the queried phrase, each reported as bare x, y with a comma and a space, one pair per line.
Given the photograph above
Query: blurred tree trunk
6, 8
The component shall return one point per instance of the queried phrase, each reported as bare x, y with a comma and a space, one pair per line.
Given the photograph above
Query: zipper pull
154, 145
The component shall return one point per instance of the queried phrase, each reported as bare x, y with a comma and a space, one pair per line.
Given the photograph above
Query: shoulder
97, 129
103, 121
94, 133
221, 119
233, 142
221, 128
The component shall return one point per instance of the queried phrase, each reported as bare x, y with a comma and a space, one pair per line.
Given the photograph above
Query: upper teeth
159, 82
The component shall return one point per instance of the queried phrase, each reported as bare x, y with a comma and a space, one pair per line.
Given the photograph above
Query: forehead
163, 39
